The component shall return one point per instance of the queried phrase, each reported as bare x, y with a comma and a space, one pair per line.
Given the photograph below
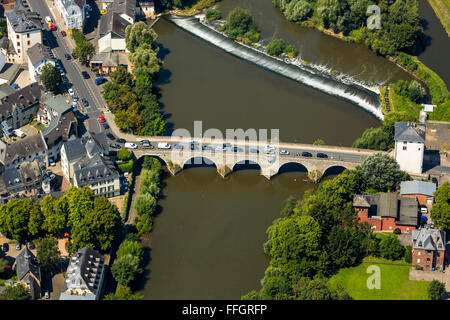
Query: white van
163, 145
423, 210
269, 149
19, 133
130, 145
48, 19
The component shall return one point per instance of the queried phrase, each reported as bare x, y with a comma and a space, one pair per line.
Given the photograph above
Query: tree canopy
440, 212
50, 77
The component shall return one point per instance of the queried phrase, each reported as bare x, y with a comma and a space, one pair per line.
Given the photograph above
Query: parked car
423, 209
100, 80
120, 140
114, 146
205, 147
85, 102
306, 154
321, 155
85, 75
15, 86
52, 164
63, 33
142, 142
111, 136
105, 125
147, 146
221, 148
163, 145
284, 152
101, 119
48, 19
269, 149
236, 149
5, 247
67, 56
253, 150
71, 92
18, 246
130, 145
31, 245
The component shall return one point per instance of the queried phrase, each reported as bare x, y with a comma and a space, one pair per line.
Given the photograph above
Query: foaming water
317, 77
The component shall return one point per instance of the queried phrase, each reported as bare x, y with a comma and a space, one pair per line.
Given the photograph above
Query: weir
308, 76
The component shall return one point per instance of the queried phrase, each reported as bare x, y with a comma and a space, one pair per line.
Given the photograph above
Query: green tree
252, 295
124, 154
440, 212
130, 247
291, 51
17, 292
145, 61
391, 248
295, 246
415, 91
307, 289
125, 269
54, 214
408, 254
380, 172
80, 201
138, 34
145, 203
276, 47
212, 14
98, 228
319, 142
50, 77
436, 290
14, 218
144, 224
83, 50
48, 253
124, 293
297, 10
275, 285
5, 269
239, 23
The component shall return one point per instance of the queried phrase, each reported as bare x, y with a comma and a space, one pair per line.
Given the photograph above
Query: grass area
400, 103
195, 8
382, 260
395, 283
442, 10
383, 102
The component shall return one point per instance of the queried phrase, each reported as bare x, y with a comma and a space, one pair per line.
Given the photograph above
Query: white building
24, 31
409, 145
119, 15
37, 59
83, 164
73, 12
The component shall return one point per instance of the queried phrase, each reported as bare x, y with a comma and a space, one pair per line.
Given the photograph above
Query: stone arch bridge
270, 164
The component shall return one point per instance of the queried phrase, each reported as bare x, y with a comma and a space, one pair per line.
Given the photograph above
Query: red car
52, 26
101, 119
63, 33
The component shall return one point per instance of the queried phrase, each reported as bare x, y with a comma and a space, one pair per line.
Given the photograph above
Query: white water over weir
353, 93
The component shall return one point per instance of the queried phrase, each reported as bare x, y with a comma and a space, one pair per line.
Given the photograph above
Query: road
84, 88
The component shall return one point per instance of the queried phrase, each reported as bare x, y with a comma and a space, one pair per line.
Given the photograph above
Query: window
404, 142
17, 36
418, 253
418, 260
28, 35
428, 253
28, 42
18, 50
404, 148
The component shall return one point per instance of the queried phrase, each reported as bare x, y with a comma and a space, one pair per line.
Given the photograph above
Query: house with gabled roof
429, 247
421, 190
387, 211
38, 57
29, 272
84, 276
410, 145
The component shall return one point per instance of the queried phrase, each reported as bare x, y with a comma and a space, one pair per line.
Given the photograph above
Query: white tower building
410, 145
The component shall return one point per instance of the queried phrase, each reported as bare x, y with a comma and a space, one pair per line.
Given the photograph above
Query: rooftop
21, 149
410, 131
37, 53
429, 239
417, 187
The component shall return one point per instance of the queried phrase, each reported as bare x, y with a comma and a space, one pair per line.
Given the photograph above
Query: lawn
395, 283
442, 10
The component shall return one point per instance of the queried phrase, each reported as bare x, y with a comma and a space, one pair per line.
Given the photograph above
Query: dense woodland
131, 96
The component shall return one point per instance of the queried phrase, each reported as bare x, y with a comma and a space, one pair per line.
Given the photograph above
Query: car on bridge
130, 145
284, 152
114, 146
205, 147
120, 140
221, 148
321, 155
253, 150
163, 145
306, 154
110, 136
178, 147
237, 149
269, 149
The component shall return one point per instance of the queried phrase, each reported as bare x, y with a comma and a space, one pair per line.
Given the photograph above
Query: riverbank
442, 10
195, 9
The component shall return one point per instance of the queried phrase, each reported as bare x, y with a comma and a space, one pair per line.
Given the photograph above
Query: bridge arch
198, 161
245, 164
157, 157
334, 170
292, 166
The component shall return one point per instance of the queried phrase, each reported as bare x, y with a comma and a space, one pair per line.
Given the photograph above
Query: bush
276, 47
291, 51
124, 154
391, 248
239, 22
144, 224
212, 14
397, 231
126, 166
408, 254
436, 290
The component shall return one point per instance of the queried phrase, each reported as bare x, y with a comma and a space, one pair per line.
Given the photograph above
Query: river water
207, 240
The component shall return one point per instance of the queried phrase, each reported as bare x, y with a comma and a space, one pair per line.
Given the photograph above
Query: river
207, 240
